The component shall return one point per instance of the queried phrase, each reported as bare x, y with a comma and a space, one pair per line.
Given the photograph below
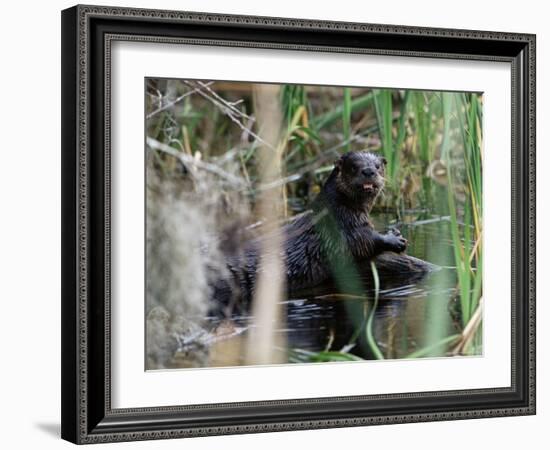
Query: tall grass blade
346, 118
369, 333
328, 118
428, 350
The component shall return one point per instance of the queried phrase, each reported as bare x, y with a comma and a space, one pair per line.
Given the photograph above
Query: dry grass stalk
264, 343
469, 330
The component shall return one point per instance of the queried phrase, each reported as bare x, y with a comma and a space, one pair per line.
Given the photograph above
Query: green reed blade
369, 333
346, 118
326, 119
428, 350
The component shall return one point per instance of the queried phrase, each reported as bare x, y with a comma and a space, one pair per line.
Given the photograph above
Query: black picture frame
87, 32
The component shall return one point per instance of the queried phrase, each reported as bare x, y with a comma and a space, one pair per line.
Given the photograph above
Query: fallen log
394, 270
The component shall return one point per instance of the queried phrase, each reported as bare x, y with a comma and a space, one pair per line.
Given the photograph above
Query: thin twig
428, 221
278, 183
230, 105
177, 100
189, 160
229, 110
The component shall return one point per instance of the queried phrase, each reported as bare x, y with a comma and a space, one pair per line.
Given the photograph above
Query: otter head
360, 176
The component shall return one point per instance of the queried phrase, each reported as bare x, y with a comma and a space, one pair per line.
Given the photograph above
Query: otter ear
338, 164
384, 161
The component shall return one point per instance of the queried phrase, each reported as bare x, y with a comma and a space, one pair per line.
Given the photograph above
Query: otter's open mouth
369, 187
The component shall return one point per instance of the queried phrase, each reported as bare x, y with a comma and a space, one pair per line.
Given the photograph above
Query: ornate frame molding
86, 422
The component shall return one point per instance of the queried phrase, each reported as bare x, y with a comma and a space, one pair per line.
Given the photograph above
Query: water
410, 315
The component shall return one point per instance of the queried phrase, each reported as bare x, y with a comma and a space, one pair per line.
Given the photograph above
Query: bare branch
230, 105
177, 100
230, 111
187, 160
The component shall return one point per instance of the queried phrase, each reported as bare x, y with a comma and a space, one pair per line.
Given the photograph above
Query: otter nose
368, 172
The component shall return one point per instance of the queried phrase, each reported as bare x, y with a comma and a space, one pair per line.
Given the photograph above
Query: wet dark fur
336, 228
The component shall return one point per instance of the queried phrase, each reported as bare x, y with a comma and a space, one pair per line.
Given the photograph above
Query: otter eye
377, 166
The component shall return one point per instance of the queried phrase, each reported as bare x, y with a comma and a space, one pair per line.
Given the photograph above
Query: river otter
335, 231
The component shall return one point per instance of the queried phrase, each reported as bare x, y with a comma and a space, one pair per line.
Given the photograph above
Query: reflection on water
408, 316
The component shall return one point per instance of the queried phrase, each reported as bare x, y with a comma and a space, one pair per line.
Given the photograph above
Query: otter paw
397, 243
394, 231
